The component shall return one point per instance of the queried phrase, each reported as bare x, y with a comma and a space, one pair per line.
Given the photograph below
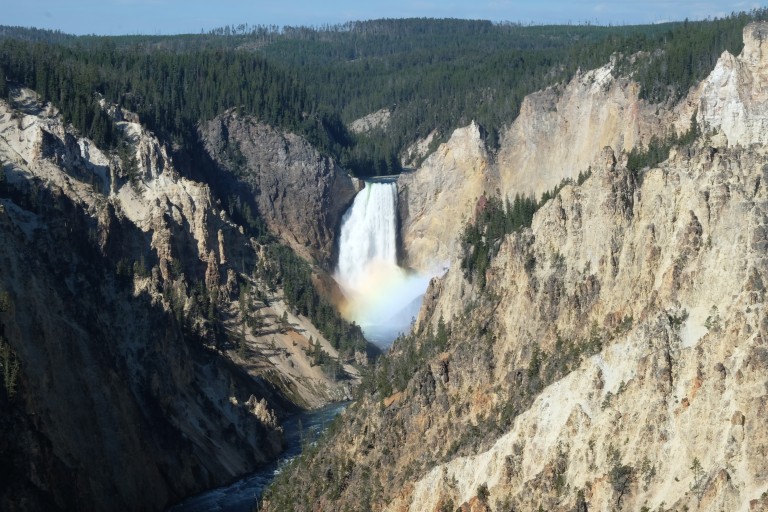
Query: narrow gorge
614, 355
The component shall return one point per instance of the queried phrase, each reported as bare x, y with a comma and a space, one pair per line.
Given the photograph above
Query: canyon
615, 358
155, 340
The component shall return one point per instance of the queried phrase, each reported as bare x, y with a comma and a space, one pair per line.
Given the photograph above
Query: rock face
416, 152
648, 419
733, 99
559, 133
378, 119
114, 409
145, 369
299, 193
430, 213
615, 360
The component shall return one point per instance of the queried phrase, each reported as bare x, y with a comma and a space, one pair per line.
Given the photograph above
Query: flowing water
381, 296
241, 496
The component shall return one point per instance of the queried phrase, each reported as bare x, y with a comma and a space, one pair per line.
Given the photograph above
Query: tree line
170, 91
441, 74
431, 74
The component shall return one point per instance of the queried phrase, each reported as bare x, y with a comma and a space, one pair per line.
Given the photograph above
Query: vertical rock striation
437, 199
300, 194
139, 379
559, 133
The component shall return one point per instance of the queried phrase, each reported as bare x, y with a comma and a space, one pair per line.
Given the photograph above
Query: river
241, 496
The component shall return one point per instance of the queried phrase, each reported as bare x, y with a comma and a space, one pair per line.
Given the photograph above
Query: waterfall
368, 233
380, 296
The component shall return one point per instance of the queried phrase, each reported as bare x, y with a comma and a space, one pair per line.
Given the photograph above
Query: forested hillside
431, 74
170, 91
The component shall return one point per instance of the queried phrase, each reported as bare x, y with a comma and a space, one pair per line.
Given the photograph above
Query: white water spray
381, 296
368, 233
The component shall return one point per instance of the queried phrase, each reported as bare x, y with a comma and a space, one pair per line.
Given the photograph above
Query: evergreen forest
432, 75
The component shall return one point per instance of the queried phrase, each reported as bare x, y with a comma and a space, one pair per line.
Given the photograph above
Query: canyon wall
299, 193
438, 198
143, 359
558, 134
561, 130
658, 296
734, 98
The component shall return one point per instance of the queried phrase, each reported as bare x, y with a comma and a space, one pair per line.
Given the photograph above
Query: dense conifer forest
431, 74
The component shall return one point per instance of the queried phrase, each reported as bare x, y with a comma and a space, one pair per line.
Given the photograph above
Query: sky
154, 17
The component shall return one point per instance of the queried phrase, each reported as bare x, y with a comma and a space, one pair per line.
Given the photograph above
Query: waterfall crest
380, 296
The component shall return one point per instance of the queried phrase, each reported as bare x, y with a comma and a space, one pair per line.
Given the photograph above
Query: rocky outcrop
300, 194
416, 152
649, 420
376, 120
430, 213
561, 130
734, 98
641, 266
114, 408
559, 133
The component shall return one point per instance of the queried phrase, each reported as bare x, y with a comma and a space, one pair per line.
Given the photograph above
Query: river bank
241, 496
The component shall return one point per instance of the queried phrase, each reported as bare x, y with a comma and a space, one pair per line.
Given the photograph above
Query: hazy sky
190, 16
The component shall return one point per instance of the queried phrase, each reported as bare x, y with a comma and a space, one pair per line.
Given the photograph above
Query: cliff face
114, 408
615, 360
142, 360
671, 290
559, 133
429, 211
299, 193
734, 98
376, 120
